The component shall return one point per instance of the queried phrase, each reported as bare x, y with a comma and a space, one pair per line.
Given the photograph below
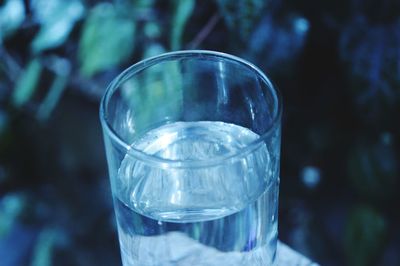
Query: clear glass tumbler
193, 144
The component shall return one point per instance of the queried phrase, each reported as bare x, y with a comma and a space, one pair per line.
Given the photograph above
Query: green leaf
11, 208
242, 15
365, 237
44, 249
26, 83
12, 14
107, 39
57, 20
373, 171
147, 4
182, 10
153, 50
152, 30
52, 98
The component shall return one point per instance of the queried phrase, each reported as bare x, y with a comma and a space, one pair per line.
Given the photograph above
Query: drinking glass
193, 145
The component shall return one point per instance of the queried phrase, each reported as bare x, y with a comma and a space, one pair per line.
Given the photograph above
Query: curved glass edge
167, 163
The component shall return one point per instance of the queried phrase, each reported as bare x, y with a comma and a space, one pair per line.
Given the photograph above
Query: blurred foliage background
337, 64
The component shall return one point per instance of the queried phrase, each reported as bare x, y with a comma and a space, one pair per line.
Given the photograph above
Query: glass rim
168, 163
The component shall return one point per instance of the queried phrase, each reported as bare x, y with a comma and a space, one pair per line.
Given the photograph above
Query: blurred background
336, 62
